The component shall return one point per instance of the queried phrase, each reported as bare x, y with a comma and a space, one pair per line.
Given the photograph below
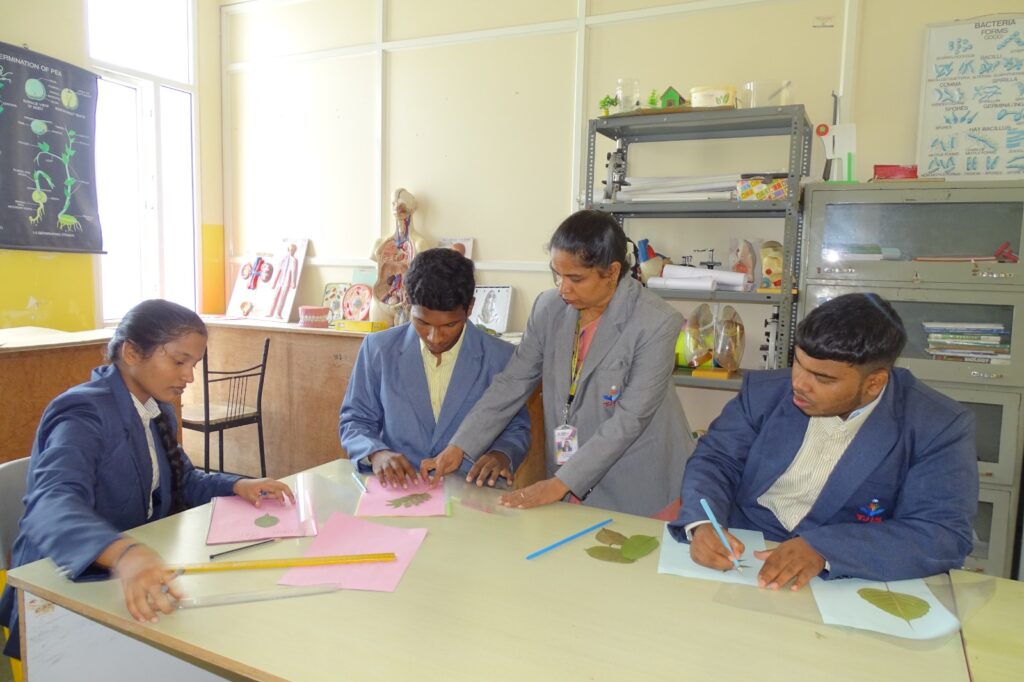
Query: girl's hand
256, 489
146, 584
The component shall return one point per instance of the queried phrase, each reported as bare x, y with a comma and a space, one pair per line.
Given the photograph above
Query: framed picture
463, 245
333, 294
491, 307
265, 286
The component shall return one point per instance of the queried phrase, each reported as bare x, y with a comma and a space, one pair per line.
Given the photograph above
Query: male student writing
412, 385
854, 466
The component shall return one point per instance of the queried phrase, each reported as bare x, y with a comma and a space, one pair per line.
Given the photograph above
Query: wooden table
470, 607
307, 375
36, 365
991, 612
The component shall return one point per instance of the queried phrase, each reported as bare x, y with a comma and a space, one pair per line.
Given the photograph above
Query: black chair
231, 407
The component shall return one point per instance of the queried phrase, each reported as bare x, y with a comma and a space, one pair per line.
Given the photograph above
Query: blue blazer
89, 478
915, 455
387, 404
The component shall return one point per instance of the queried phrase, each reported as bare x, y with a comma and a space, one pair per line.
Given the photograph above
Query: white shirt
826, 439
149, 411
798, 488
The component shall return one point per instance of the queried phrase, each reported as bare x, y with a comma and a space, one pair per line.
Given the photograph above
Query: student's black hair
151, 324
859, 329
595, 238
440, 279
148, 326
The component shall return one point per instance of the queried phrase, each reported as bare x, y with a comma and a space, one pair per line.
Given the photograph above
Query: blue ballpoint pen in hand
721, 534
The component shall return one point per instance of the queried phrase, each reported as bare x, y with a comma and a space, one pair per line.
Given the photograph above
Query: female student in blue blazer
105, 459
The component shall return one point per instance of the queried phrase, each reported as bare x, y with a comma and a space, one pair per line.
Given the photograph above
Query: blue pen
359, 482
718, 529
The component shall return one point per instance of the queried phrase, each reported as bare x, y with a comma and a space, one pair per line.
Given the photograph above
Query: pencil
239, 549
721, 535
359, 481
561, 542
288, 562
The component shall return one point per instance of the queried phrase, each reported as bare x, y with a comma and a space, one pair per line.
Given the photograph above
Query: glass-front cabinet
997, 422
953, 335
946, 256
921, 232
992, 542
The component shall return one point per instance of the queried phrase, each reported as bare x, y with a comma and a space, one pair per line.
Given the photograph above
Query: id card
566, 443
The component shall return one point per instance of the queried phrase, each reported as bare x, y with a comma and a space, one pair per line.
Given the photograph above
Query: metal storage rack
790, 121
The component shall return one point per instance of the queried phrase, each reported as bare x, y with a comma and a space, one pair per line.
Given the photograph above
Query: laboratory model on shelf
946, 255
784, 121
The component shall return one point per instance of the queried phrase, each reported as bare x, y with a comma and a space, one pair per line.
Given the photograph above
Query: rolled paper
691, 284
722, 277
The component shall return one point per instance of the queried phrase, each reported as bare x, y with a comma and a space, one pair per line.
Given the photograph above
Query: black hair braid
176, 459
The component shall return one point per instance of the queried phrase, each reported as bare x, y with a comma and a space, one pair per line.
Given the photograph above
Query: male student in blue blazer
854, 466
412, 385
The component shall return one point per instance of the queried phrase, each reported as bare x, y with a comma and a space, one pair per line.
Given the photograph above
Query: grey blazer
633, 448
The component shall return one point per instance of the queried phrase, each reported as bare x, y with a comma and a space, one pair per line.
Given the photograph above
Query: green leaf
610, 537
413, 500
43, 146
639, 546
608, 554
904, 606
266, 521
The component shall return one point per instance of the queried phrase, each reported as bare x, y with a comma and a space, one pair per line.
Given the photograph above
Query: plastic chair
232, 407
12, 489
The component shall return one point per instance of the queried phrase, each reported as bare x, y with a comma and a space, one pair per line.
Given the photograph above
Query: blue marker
718, 529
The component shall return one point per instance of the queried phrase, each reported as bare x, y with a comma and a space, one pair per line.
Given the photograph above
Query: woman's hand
393, 469
447, 461
489, 467
145, 582
256, 489
537, 495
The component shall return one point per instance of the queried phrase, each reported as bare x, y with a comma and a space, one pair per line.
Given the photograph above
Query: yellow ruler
291, 562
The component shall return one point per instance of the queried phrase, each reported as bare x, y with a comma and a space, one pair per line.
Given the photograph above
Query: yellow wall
36, 288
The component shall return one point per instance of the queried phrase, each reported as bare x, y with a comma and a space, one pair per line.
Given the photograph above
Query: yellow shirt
440, 374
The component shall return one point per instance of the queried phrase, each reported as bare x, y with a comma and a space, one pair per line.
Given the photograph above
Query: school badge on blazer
871, 513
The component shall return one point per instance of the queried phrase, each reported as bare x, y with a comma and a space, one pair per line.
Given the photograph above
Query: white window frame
149, 117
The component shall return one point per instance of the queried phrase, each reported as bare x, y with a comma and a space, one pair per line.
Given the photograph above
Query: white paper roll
689, 284
734, 279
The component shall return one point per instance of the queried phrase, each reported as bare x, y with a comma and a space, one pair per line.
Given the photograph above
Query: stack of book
985, 342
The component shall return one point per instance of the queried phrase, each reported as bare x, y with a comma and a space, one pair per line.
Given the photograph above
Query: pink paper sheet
376, 500
344, 534
233, 519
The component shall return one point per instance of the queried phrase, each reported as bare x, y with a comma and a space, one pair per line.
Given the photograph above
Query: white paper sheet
675, 559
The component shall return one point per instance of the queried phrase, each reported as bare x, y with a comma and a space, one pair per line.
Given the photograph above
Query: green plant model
606, 103
652, 99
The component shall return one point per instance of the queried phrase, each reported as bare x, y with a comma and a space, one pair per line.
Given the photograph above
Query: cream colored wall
482, 114
888, 88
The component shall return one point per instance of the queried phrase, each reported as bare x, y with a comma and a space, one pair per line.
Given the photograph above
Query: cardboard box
762, 189
359, 326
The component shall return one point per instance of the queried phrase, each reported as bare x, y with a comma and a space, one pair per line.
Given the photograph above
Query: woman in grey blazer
615, 433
